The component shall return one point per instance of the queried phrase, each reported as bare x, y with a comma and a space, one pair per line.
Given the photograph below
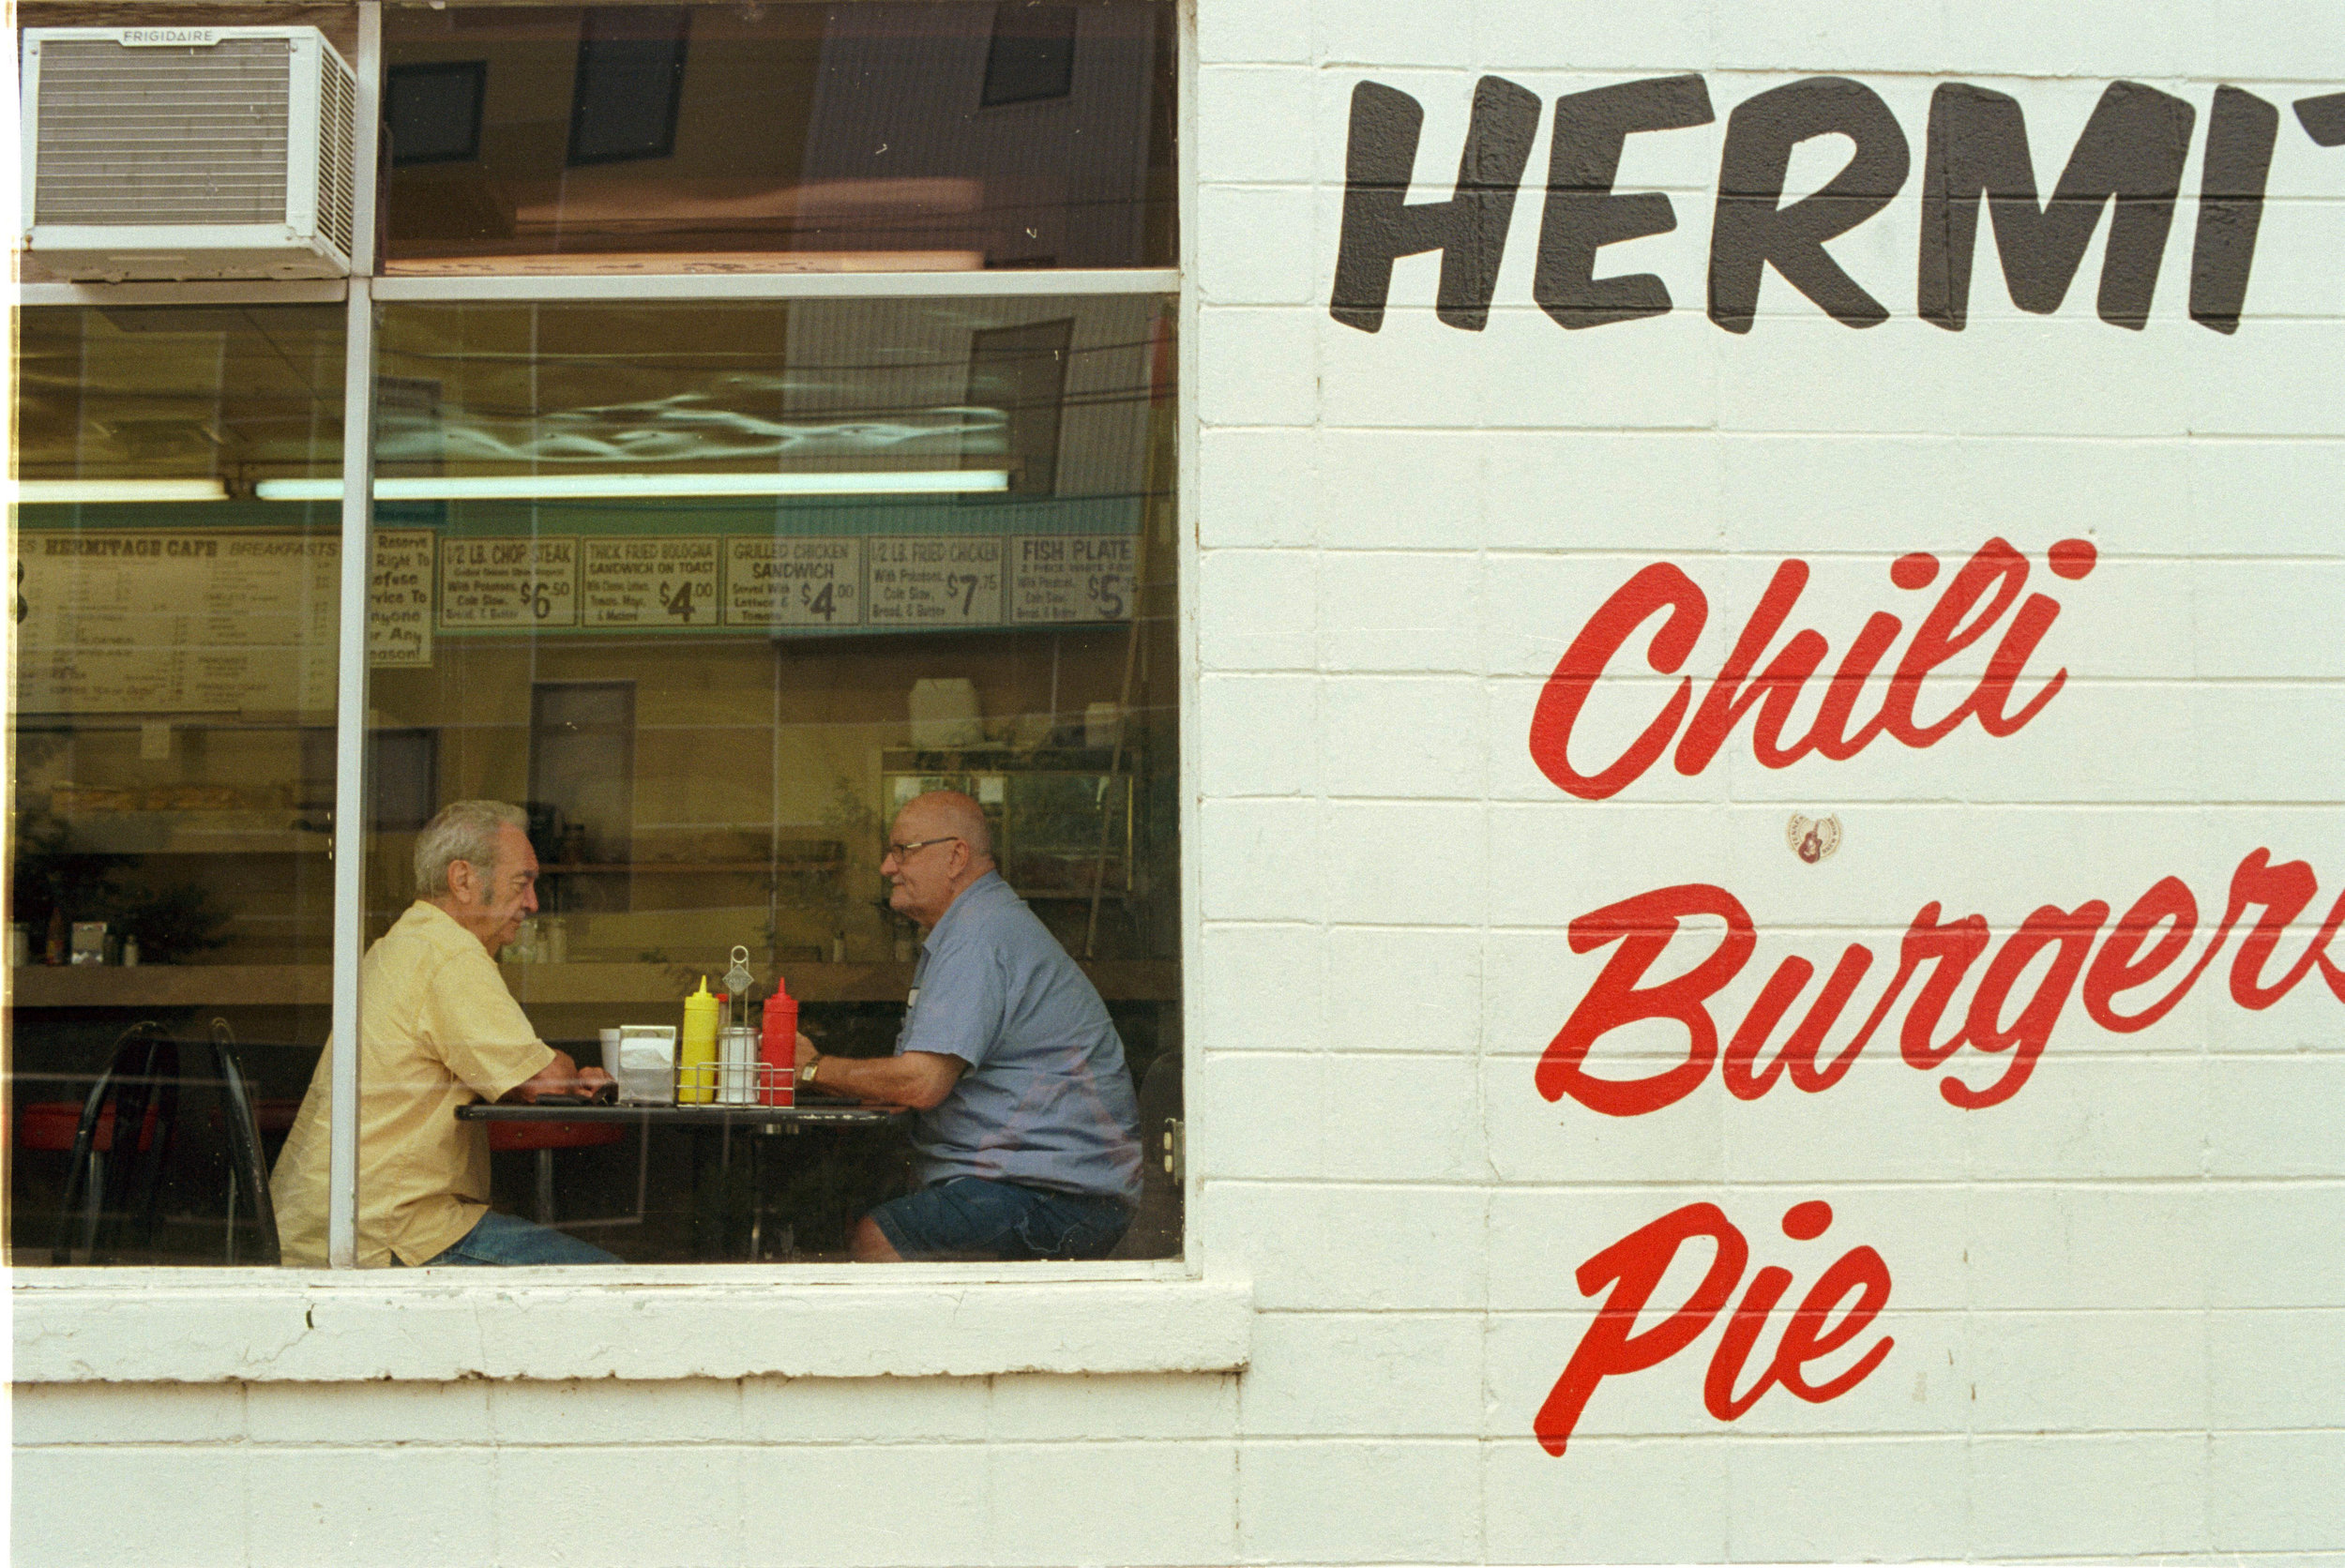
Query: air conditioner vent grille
197, 136
336, 159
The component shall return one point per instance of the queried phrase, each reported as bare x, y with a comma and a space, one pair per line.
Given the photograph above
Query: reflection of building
1033, 125
731, 131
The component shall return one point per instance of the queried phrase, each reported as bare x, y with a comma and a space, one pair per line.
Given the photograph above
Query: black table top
817, 1115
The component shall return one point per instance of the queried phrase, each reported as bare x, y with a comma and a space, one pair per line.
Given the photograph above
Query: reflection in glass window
892, 135
171, 724
713, 590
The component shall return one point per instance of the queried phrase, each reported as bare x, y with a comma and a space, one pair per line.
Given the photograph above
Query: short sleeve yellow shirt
436, 1030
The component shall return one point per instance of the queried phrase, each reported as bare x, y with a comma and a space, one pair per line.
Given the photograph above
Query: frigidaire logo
2130, 154
151, 38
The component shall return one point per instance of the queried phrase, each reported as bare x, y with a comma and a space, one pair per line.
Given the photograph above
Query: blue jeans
508, 1239
969, 1216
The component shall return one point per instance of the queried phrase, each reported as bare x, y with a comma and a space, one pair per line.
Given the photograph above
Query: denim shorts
508, 1239
971, 1217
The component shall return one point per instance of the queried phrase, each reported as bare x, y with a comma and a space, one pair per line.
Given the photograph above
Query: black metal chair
248, 1164
1155, 1229
127, 1132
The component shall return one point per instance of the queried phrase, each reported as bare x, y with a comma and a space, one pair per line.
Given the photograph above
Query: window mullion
350, 707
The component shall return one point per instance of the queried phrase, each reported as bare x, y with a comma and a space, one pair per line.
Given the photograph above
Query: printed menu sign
793, 582
650, 582
942, 582
1072, 577
508, 582
175, 621
399, 598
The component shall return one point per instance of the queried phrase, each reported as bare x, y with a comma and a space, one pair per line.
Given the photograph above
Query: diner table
714, 1126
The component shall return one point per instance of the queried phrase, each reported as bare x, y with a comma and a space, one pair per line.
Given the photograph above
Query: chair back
1156, 1228
247, 1166
114, 1184
116, 1190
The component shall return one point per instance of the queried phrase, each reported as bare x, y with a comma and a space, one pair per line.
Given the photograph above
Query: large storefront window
707, 577
712, 590
173, 785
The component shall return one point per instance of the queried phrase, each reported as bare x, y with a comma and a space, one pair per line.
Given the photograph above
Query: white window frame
632, 1322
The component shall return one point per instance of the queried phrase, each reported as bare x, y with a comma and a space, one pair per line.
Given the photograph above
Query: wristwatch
805, 1072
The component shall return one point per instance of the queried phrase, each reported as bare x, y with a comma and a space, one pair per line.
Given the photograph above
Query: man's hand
561, 1076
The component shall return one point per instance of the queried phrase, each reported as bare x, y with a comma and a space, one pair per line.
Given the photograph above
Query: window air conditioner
187, 152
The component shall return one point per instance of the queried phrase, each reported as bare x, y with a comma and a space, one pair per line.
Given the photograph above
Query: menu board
650, 582
935, 581
1072, 577
508, 583
175, 621
793, 581
227, 619
398, 600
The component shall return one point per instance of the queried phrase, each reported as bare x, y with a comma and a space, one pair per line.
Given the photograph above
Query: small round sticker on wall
1813, 838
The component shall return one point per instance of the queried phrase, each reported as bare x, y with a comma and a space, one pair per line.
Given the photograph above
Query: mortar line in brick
1527, 1314
1378, 1314
1887, 928
1902, 434
1612, 554
1318, 795
1845, 1183
1617, 807
2083, 682
2129, 1057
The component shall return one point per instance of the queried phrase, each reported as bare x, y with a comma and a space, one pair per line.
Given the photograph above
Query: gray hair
464, 830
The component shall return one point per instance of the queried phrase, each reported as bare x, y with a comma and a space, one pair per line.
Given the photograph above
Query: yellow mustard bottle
696, 1059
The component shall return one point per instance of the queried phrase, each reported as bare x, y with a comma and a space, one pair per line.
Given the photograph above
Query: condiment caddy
717, 1058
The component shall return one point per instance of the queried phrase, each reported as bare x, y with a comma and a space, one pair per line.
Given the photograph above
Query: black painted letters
1750, 233
2128, 160
2131, 153
1583, 215
1469, 229
2239, 137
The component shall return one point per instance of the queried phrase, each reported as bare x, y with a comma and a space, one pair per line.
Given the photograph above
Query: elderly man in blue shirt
1027, 1140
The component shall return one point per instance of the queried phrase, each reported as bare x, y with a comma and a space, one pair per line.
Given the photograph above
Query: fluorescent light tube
66, 492
583, 487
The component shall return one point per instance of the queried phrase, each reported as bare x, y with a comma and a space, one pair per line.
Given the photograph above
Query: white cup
611, 1052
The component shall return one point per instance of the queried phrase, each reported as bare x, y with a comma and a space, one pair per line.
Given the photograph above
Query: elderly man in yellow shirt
437, 1030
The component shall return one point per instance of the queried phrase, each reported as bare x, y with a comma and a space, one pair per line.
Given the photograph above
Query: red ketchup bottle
778, 1049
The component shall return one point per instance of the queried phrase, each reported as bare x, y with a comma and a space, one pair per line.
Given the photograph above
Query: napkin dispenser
646, 1071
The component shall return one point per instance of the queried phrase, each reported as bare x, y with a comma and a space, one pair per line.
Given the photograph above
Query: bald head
939, 846
949, 811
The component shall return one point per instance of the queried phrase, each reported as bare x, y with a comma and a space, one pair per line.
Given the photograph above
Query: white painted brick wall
2118, 1298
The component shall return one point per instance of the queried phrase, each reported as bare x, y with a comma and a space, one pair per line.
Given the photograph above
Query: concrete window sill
264, 1325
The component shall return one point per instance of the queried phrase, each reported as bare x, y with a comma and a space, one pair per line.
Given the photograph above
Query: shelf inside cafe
637, 985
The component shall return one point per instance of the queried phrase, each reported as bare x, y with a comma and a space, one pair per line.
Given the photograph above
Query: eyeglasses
901, 852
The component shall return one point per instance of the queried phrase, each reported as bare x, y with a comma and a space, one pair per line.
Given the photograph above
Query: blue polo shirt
1046, 1100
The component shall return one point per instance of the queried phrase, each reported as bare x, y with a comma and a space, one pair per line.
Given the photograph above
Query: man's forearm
893, 1080
560, 1075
